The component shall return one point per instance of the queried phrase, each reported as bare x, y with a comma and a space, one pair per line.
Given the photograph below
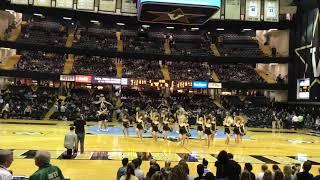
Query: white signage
107, 5
20, 2
68, 4
46, 3
85, 4
212, 85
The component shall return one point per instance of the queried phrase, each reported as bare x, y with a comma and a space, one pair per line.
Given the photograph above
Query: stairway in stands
70, 40
266, 49
165, 72
215, 50
119, 42
52, 109
14, 34
217, 103
266, 76
119, 68
166, 46
68, 65
214, 76
10, 63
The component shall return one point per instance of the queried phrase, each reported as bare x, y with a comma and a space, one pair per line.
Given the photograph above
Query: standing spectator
5, 111
248, 167
245, 175
210, 176
205, 165
6, 159
317, 123
46, 170
137, 171
167, 169
178, 172
287, 171
157, 176
130, 173
70, 142
122, 170
267, 175
200, 171
222, 165
152, 170
184, 164
80, 131
275, 168
305, 175
278, 175
234, 168
264, 168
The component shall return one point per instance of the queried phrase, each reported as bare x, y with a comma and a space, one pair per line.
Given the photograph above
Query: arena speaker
186, 12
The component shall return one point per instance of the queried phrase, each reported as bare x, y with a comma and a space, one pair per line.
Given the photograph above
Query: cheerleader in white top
103, 119
228, 121
200, 127
213, 125
140, 125
208, 130
183, 131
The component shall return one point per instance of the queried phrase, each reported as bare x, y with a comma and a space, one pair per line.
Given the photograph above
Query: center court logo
29, 133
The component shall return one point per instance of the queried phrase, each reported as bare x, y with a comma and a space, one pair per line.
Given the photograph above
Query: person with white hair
46, 171
6, 159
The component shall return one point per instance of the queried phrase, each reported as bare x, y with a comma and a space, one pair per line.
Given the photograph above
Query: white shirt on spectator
260, 176
131, 177
70, 140
5, 174
139, 173
295, 118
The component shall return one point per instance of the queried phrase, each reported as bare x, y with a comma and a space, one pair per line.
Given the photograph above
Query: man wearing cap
46, 171
6, 159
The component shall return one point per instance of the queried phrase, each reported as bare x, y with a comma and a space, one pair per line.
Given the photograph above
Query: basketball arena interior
159, 89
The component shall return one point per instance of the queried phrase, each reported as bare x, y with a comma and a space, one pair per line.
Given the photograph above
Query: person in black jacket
235, 168
223, 166
79, 124
305, 175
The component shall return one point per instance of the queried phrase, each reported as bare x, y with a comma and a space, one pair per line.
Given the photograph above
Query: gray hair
43, 157
4, 155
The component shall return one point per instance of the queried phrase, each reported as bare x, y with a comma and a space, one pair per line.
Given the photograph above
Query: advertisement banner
83, 79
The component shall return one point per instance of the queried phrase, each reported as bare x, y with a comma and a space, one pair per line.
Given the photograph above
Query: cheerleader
200, 127
208, 130
140, 125
183, 132
165, 127
155, 126
242, 130
236, 130
213, 125
228, 121
103, 119
125, 123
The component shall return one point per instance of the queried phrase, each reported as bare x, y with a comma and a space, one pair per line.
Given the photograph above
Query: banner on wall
253, 10
107, 5
24, 2
83, 79
69, 78
232, 9
128, 6
303, 88
85, 5
212, 85
271, 10
45, 3
200, 84
68, 4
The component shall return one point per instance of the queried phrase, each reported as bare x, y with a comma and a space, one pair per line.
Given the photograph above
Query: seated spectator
6, 159
248, 167
122, 170
141, 69
278, 175
200, 171
305, 175
130, 173
137, 171
223, 166
210, 176
234, 168
46, 170
84, 65
267, 175
166, 170
157, 176
185, 70
152, 170
288, 174
184, 164
205, 165
178, 172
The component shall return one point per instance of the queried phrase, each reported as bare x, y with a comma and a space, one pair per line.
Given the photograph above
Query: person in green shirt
46, 171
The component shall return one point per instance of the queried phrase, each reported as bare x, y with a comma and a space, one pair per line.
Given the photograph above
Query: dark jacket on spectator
234, 170
304, 176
